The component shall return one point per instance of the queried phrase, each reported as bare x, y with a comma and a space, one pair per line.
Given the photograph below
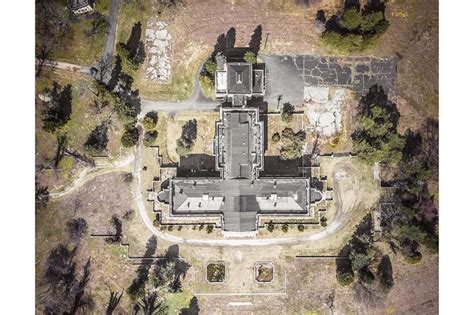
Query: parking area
358, 73
287, 77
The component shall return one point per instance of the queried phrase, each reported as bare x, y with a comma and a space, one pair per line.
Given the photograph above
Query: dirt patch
413, 36
205, 132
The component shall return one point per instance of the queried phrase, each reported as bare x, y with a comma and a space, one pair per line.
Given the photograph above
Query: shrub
210, 66
270, 227
250, 57
345, 278
324, 221
130, 136
413, 258
150, 120
156, 223
209, 229
292, 144
287, 112
300, 227
285, 228
207, 85
150, 137
276, 137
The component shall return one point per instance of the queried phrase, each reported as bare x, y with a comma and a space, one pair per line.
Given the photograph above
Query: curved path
340, 219
197, 101
89, 173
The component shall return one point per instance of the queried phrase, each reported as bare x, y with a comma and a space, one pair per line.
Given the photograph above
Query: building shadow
274, 166
197, 165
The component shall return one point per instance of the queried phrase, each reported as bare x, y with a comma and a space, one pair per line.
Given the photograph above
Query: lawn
76, 46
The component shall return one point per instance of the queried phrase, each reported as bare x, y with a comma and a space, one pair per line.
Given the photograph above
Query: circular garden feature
264, 272
215, 272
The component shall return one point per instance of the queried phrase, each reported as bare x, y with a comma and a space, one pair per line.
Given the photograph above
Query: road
112, 30
197, 101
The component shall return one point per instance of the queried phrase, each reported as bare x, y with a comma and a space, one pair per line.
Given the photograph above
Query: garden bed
215, 272
264, 272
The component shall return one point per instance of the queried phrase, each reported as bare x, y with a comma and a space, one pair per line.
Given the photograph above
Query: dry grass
277, 125
83, 120
205, 132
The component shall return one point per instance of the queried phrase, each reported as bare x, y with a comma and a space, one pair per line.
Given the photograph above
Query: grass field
77, 47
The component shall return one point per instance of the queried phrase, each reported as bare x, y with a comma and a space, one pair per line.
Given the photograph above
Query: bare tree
330, 301
99, 25
76, 229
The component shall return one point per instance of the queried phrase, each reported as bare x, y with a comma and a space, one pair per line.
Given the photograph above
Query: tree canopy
376, 138
57, 106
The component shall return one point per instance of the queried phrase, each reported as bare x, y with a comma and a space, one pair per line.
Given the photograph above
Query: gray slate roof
239, 78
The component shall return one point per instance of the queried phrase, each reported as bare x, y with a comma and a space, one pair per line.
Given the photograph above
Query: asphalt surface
112, 30
283, 82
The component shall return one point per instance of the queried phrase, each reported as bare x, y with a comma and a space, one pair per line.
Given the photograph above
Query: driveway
112, 30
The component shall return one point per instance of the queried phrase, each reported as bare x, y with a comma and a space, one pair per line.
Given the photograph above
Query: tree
41, 195
188, 136
76, 229
150, 120
150, 137
285, 227
287, 112
114, 301
99, 25
351, 19
130, 136
250, 57
354, 30
301, 227
57, 107
97, 141
51, 25
376, 138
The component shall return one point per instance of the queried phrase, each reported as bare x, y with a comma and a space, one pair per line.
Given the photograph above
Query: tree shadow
224, 42
192, 309
256, 40
137, 288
